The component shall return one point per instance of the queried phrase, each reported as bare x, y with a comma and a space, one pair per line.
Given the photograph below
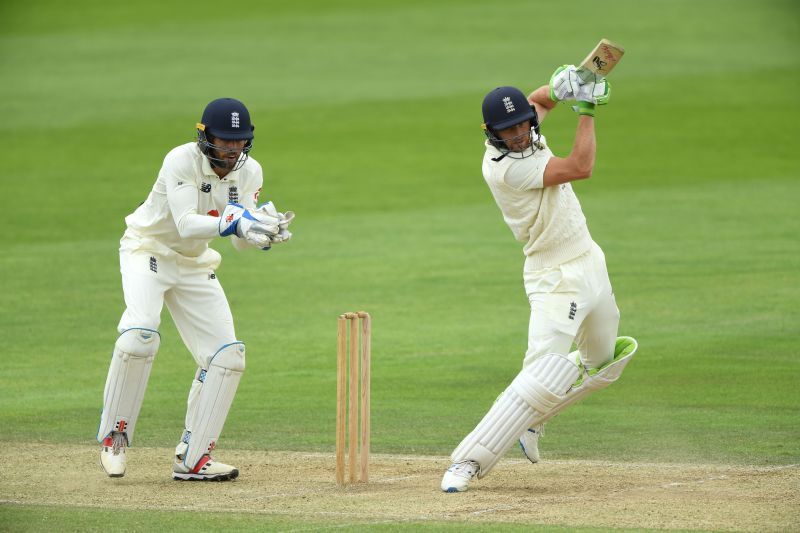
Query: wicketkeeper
205, 189
565, 271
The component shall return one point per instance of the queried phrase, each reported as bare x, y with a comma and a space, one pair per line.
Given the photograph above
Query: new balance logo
234, 120
509, 104
205, 187
153, 264
573, 308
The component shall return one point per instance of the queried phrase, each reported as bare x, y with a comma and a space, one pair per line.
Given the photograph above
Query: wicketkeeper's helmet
227, 119
504, 107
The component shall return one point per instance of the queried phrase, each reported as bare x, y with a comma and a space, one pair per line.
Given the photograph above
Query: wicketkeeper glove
284, 219
236, 220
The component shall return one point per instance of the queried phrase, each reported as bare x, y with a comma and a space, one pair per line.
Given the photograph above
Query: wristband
584, 108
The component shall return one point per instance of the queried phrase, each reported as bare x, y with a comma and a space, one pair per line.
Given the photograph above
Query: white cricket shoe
206, 469
529, 442
458, 476
112, 454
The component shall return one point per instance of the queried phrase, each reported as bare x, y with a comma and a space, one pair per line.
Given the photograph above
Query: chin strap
536, 144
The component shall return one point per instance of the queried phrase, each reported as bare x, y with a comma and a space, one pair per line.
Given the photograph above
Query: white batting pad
131, 361
533, 393
208, 409
596, 379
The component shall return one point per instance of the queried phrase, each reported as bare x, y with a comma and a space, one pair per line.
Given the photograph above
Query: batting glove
593, 93
584, 108
596, 91
563, 83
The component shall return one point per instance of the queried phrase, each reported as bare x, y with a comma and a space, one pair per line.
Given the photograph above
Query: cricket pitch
406, 489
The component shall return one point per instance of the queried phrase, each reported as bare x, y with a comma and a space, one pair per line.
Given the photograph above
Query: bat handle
585, 74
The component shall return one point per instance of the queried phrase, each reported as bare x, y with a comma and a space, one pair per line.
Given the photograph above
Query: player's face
228, 151
517, 137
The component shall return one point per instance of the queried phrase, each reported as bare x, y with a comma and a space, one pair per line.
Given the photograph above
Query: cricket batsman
565, 271
205, 189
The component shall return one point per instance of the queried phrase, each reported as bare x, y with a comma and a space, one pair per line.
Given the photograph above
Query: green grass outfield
367, 125
47, 518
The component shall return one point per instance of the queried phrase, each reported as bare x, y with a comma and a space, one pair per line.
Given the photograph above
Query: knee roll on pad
130, 367
543, 386
207, 418
535, 391
592, 380
607, 374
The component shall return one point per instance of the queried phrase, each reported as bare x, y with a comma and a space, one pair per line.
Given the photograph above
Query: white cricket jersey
549, 220
181, 213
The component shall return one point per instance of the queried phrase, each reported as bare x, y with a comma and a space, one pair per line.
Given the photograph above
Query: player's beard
520, 143
222, 161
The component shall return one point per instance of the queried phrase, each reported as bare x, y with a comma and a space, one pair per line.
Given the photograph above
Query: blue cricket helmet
227, 119
504, 107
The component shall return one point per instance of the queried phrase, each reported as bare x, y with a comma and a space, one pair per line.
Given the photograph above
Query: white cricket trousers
193, 295
572, 302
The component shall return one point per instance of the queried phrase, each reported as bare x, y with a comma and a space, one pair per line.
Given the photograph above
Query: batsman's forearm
541, 97
540, 100
585, 146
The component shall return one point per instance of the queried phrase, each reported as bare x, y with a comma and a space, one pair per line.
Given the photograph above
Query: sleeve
249, 199
252, 188
182, 197
528, 173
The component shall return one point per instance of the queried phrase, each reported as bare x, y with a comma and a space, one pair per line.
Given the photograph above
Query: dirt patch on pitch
402, 489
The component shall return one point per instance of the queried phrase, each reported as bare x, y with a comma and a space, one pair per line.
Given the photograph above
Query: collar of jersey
208, 171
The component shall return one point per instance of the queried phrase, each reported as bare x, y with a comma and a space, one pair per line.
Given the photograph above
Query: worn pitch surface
567, 493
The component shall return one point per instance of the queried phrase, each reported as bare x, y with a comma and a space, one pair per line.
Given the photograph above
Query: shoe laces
118, 441
465, 469
539, 430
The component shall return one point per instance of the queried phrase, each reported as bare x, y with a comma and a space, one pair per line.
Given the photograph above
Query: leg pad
535, 391
130, 367
208, 409
594, 379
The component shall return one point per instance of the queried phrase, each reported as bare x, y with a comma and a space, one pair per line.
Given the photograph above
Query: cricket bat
601, 60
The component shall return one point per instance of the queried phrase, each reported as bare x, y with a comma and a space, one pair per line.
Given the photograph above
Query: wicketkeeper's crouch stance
205, 189
565, 272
